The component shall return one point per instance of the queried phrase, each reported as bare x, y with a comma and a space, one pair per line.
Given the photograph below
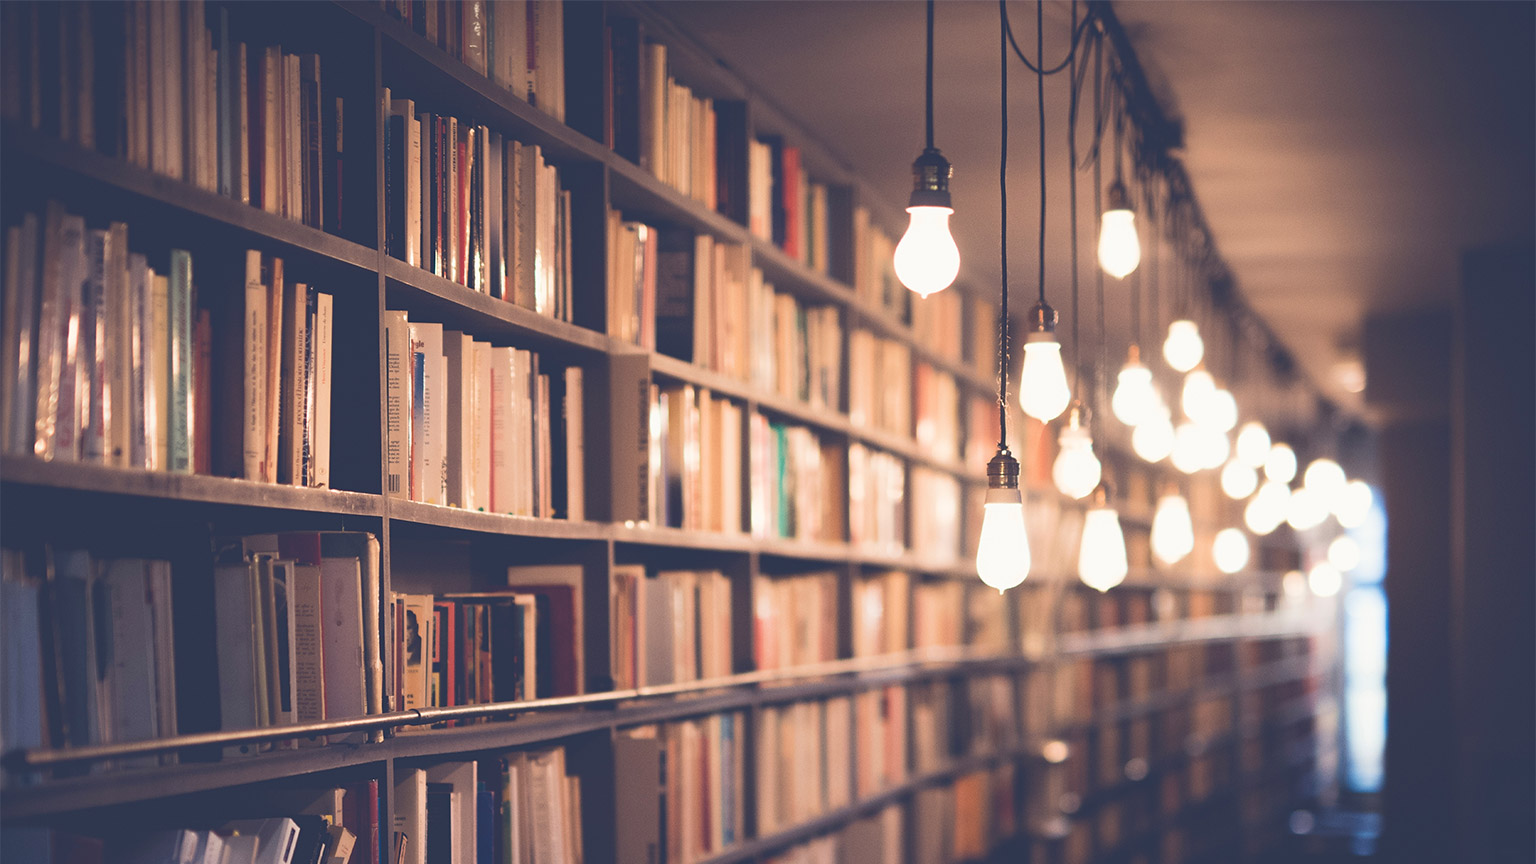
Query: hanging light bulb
1294, 584
1134, 395
1214, 446
1101, 561
1280, 464
1119, 247
1306, 509
1220, 410
1183, 348
1344, 553
1153, 439
1353, 504
1267, 508
1002, 555
1043, 390
1238, 480
1076, 471
1325, 579
1326, 478
1188, 448
1253, 444
927, 259
1196, 395
1230, 550
1173, 533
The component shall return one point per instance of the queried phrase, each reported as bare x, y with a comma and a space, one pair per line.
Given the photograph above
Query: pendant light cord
1002, 182
928, 77
1040, 98
1077, 358
1095, 426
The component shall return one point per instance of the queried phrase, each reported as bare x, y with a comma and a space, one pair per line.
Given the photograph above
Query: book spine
92, 388
397, 424
181, 315
324, 316
254, 366
272, 416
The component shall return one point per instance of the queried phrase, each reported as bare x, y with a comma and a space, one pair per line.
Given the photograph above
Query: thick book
181, 310
235, 608
629, 425
397, 413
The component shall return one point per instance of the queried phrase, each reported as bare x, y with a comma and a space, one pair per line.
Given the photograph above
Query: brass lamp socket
1119, 198
930, 180
1042, 319
1133, 354
1078, 414
1003, 471
1101, 496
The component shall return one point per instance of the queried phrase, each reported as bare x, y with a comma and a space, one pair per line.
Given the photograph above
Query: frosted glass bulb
1238, 480
1230, 550
1221, 410
1353, 504
1043, 391
1173, 533
1294, 584
1135, 396
1325, 579
1326, 478
1183, 348
1101, 561
1199, 387
1076, 470
1306, 509
927, 259
1119, 247
1002, 554
1214, 446
1253, 444
1280, 465
1344, 553
1154, 437
1188, 448
1267, 508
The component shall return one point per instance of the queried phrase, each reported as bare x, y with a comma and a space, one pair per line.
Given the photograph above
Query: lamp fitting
1042, 323
1119, 198
930, 180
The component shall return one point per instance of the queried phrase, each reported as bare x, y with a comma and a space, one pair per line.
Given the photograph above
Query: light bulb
1326, 478
927, 259
1183, 348
1280, 465
1002, 553
1119, 247
1238, 480
1076, 470
1043, 390
1153, 439
1267, 508
1188, 448
1353, 504
1214, 446
1135, 397
1101, 561
1253, 444
1306, 509
1230, 550
1325, 579
1220, 410
1199, 386
1344, 553
1173, 533
1294, 584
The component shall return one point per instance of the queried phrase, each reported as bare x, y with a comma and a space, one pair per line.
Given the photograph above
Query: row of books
88, 651
164, 88
680, 789
794, 620
658, 123
805, 756
787, 208
974, 716
938, 324
796, 482
936, 412
877, 492
876, 839
519, 45
295, 619
486, 212
672, 627
880, 715
479, 426
695, 464
965, 820
879, 383
874, 271
797, 347
283, 826
523, 806
882, 610
936, 509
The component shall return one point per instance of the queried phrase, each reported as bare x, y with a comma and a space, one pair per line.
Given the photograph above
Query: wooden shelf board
435, 515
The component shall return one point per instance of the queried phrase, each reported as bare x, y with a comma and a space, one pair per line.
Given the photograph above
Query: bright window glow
927, 259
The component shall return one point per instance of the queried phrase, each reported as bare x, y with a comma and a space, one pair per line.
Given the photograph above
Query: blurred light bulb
1173, 533
1306, 510
1135, 396
1325, 579
1326, 478
1344, 553
1267, 508
927, 259
1253, 444
1153, 438
1043, 390
1214, 446
1353, 504
1119, 247
1230, 550
1183, 348
1101, 561
1002, 554
1280, 465
1188, 448
1076, 471
1221, 410
1199, 386
1294, 584
1238, 480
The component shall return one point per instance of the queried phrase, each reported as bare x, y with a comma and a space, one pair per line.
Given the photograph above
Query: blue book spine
180, 302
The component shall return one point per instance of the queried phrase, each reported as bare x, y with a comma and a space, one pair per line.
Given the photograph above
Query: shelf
439, 516
27, 146
168, 486
1216, 628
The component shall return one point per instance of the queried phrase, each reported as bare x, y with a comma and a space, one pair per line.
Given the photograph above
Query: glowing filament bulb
1101, 560
1253, 444
1076, 470
1183, 349
1238, 480
1043, 390
1230, 550
1173, 533
927, 259
1135, 397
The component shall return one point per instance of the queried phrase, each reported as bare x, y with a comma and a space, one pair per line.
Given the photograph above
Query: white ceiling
1344, 154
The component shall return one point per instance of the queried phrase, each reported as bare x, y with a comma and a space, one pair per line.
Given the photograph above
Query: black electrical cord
1077, 359
929, 74
1077, 32
1002, 182
1040, 99
1095, 423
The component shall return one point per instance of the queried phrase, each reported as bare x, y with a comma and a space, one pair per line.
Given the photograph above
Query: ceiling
1344, 153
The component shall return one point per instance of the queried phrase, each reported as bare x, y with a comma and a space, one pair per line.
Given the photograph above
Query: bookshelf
1025, 718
